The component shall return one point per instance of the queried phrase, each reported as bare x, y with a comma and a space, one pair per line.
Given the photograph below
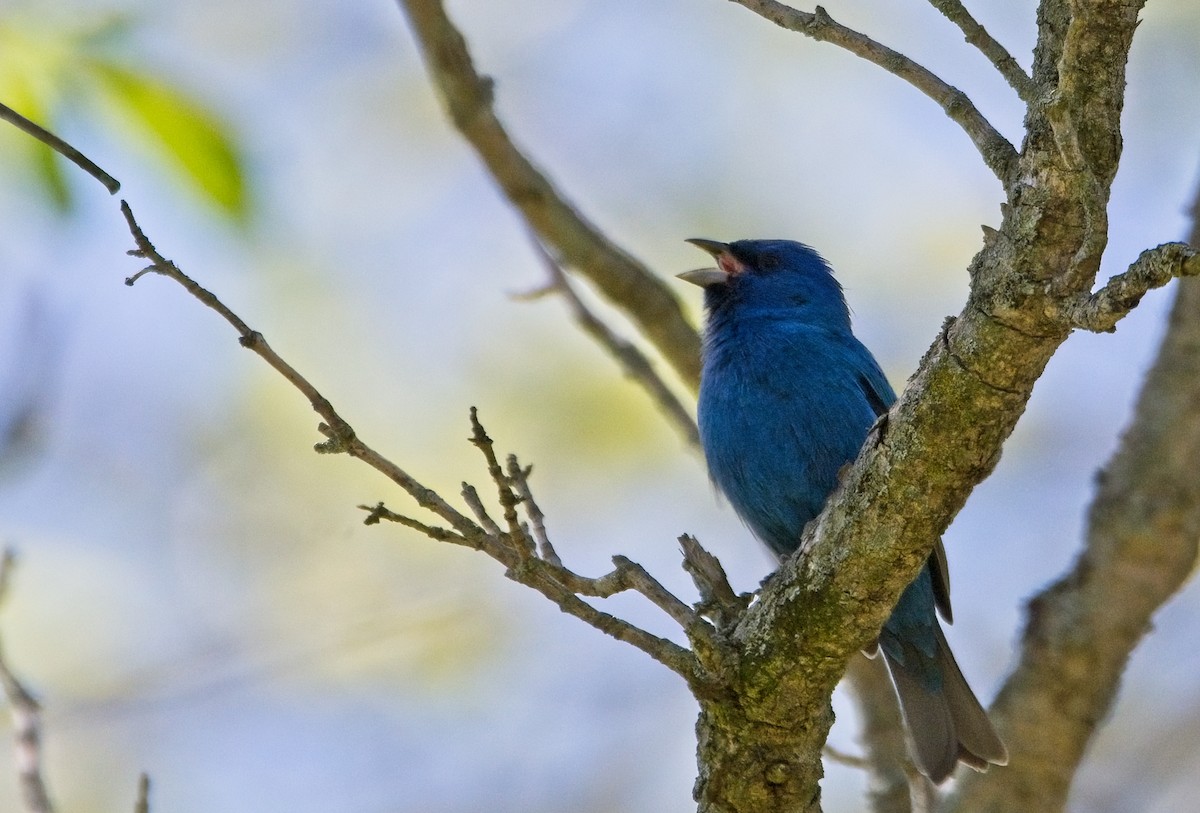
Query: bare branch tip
541, 292
375, 513
61, 147
997, 152
975, 34
479, 435
471, 496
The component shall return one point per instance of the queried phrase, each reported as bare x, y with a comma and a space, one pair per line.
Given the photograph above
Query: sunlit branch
514, 546
1154, 268
61, 147
999, 155
1142, 544
996, 53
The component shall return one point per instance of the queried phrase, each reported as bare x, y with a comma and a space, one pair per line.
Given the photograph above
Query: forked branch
997, 54
519, 543
999, 155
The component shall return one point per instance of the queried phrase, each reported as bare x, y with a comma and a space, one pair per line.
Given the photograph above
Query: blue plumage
787, 397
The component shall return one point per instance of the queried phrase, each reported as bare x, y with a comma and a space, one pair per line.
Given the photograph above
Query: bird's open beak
713, 247
709, 276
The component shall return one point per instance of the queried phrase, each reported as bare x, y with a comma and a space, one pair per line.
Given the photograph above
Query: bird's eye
769, 262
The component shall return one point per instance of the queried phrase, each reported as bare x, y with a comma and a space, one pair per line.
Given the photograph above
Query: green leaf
191, 136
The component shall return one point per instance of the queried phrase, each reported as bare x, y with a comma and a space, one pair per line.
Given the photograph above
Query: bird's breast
778, 420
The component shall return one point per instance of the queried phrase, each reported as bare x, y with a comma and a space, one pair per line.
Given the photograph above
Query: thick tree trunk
749, 763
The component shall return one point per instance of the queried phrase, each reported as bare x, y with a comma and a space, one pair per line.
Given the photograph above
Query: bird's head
777, 277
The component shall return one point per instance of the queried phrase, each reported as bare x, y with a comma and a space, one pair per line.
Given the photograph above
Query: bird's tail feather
976, 736
945, 725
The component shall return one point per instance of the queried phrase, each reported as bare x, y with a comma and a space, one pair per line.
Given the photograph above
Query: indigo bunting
787, 397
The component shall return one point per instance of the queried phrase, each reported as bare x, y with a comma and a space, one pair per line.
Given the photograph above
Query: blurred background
196, 595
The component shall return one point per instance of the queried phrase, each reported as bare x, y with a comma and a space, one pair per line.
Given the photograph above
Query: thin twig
626, 575
519, 477
517, 536
842, 758
547, 574
515, 548
717, 596
471, 497
633, 360
640, 580
624, 281
999, 155
61, 147
670, 654
27, 721
378, 512
340, 435
997, 54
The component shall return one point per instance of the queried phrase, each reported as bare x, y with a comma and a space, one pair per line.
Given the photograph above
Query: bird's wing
939, 569
879, 395
873, 383
874, 397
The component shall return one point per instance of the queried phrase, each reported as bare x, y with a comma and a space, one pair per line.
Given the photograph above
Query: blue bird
787, 397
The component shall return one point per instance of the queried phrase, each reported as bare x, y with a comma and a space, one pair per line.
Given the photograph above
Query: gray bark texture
764, 674
1030, 289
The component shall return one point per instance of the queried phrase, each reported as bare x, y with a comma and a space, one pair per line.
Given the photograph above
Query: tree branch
999, 155
1142, 538
61, 147
520, 480
1154, 268
514, 547
997, 54
379, 512
628, 284
717, 597
339, 434
635, 363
